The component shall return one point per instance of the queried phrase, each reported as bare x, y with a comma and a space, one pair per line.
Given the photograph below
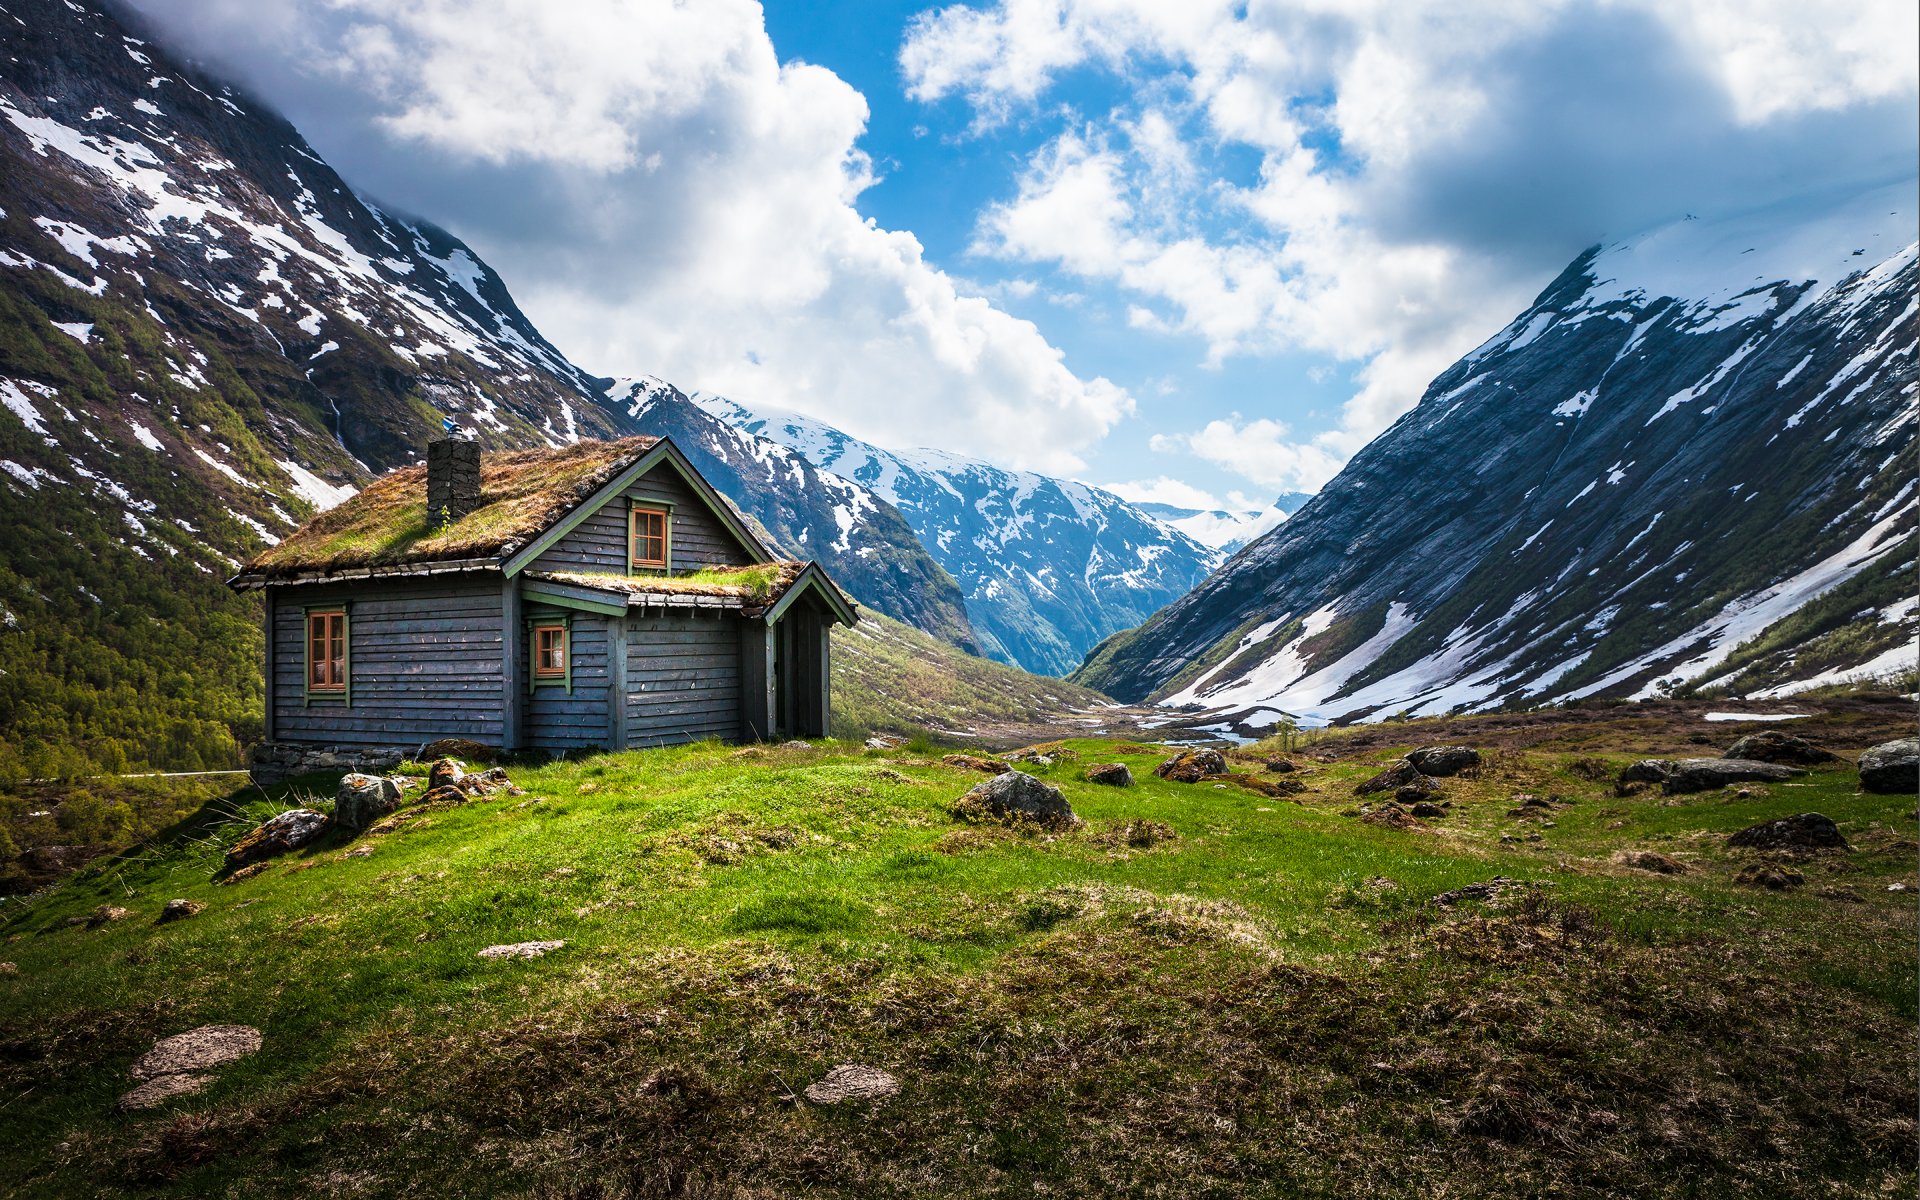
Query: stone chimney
453, 480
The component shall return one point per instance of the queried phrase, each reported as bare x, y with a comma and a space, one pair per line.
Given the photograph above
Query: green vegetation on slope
1203, 991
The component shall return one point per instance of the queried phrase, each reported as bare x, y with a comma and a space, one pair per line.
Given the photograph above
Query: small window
648, 539
327, 652
550, 651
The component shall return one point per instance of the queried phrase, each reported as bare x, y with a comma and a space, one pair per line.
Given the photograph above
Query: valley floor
1202, 990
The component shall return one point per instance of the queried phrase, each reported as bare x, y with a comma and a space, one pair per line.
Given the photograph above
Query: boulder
1399, 775
489, 781
1648, 770
1807, 831
1018, 796
885, 741
1773, 746
1892, 768
1192, 766
1427, 809
1705, 774
1443, 761
1281, 766
179, 910
276, 836
1420, 788
445, 771
457, 748
363, 799
1110, 774
976, 762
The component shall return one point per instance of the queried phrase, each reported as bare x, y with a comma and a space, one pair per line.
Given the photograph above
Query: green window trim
535, 680
665, 508
344, 694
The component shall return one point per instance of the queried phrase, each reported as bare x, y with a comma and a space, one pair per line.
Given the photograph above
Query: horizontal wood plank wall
577, 720
683, 679
424, 655
599, 543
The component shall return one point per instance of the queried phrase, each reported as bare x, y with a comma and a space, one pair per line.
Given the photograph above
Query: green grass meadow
1202, 991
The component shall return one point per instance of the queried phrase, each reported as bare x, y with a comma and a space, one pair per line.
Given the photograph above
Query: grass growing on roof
1261, 999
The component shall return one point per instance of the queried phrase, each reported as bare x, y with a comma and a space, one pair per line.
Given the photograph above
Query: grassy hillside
1202, 991
890, 676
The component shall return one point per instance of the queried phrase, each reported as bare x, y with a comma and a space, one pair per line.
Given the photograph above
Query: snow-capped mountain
1688, 464
860, 538
1048, 566
1225, 530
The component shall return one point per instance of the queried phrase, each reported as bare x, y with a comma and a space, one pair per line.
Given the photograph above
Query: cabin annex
601, 595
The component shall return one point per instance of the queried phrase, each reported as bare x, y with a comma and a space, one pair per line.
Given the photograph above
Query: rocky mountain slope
1048, 566
1689, 464
206, 335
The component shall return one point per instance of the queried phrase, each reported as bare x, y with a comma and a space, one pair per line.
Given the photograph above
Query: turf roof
522, 493
758, 587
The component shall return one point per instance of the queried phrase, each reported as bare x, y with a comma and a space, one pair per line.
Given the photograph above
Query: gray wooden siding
557, 719
683, 679
599, 543
424, 659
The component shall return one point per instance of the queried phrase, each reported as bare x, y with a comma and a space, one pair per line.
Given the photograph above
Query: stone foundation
272, 762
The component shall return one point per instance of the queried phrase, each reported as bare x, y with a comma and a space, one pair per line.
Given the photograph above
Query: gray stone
363, 799
1706, 774
1192, 766
1648, 770
850, 1081
1110, 774
1806, 831
1774, 746
1399, 775
179, 910
197, 1050
1443, 761
1020, 796
1892, 768
278, 835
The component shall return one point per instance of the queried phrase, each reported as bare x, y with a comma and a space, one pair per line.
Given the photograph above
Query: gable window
327, 662
550, 652
647, 538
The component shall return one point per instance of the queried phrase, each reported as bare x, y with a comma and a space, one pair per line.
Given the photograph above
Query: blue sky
1199, 252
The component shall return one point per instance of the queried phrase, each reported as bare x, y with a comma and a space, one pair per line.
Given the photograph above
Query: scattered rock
197, 1050
1017, 796
1281, 766
489, 781
1773, 746
885, 741
1443, 761
445, 771
443, 796
1392, 816
1111, 774
976, 762
1844, 895
1044, 754
850, 1081
1192, 766
157, 1091
1773, 878
244, 874
180, 910
1892, 768
363, 799
1705, 774
1420, 789
457, 748
1427, 808
276, 836
1392, 779
795, 744
1649, 860
1475, 891
1807, 831
521, 950
102, 915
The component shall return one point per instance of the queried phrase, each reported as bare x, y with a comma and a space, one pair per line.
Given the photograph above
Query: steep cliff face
1689, 463
1048, 566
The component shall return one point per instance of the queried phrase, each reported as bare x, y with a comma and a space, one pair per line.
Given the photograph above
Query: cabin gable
696, 536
